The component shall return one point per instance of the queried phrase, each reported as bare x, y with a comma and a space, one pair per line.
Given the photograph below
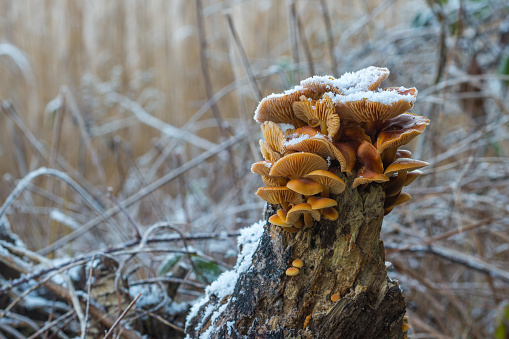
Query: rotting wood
345, 256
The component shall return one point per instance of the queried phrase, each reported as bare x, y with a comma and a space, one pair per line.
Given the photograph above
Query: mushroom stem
372, 129
388, 156
281, 181
308, 220
285, 205
323, 127
298, 224
325, 192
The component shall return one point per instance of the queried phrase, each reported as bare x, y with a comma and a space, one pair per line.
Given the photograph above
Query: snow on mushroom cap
363, 80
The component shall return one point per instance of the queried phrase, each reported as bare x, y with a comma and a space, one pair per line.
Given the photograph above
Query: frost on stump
315, 267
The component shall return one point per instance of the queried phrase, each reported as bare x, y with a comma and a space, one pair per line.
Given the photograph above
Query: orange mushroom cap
318, 113
297, 263
325, 178
276, 220
278, 195
404, 164
400, 131
304, 186
318, 144
296, 165
268, 153
411, 176
278, 107
330, 213
318, 203
292, 271
296, 211
262, 167
375, 106
274, 136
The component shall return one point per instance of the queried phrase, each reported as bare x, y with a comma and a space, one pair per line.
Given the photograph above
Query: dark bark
345, 256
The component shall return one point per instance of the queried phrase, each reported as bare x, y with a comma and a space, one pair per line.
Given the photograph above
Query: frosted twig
163, 127
41, 149
51, 324
144, 192
23, 183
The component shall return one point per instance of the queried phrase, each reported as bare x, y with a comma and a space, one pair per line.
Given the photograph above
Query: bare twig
144, 192
245, 62
457, 257
117, 322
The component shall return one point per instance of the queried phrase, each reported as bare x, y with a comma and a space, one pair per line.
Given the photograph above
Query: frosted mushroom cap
366, 79
318, 144
375, 106
262, 167
278, 107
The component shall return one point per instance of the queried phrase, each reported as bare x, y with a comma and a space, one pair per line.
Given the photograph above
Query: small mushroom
275, 219
373, 167
335, 297
292, 271
263, 168
268, 153
274, 136
297, 263
304, 186
318, 203
395, 184
330, 213
304, 209
398, 131
320, 113
411, 176
346, 146
280, 195
330, 182
404, 164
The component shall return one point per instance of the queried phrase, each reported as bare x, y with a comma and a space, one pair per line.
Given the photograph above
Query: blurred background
147, 107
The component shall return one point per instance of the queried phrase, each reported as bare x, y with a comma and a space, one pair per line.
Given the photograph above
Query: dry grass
114, 95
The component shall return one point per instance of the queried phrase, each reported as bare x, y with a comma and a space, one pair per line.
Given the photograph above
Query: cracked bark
345, 256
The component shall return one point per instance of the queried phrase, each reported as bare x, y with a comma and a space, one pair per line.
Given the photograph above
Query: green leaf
210, 270
171, 260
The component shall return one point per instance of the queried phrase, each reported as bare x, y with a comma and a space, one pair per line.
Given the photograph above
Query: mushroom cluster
326, 126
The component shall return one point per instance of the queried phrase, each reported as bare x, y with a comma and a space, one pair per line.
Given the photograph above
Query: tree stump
344, 257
